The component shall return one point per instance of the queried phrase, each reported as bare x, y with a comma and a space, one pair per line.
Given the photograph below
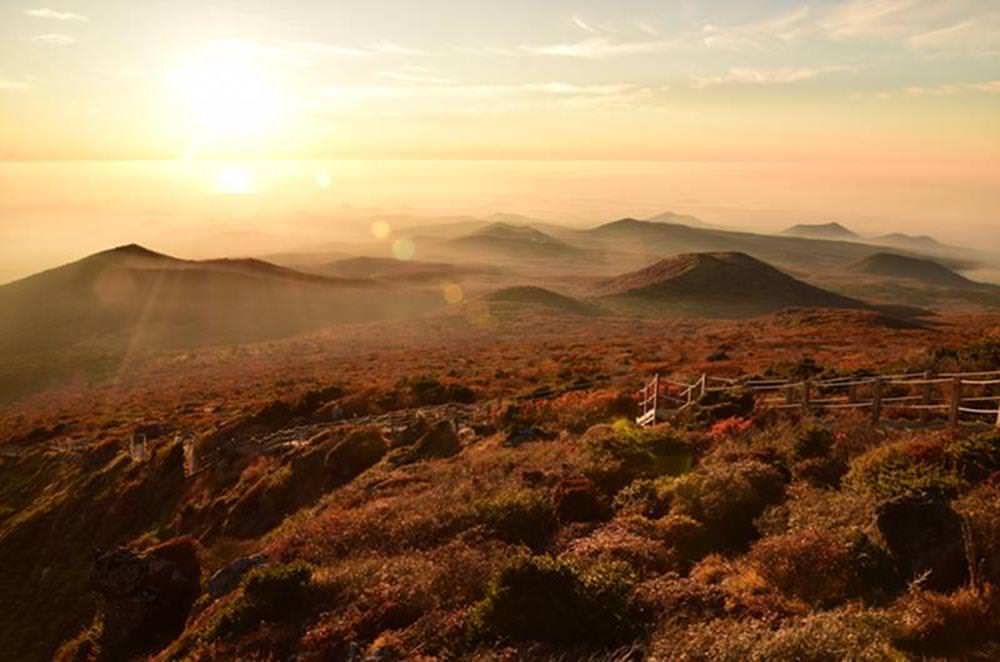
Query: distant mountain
541, 297
391, 269
822, 231
503, 240
683, 219
655, 239
724, 284
911, 268
86, 316
921, 244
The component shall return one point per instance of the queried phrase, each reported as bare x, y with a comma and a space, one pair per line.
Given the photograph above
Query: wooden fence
958, 396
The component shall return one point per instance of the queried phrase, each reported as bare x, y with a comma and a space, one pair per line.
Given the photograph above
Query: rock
412, 432
440, 441
360, 450
145, 598
227, 579
577, 499
923, 535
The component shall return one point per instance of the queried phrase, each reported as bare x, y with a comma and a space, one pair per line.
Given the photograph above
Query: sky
479, 79
162, 121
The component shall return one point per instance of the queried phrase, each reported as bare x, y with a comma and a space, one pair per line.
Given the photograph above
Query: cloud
321, 49
54, 15
759, 35
781, 76
585, 26
54, 39
951, 89
977, 34
593, 48
493, 98
414, 76
9, 84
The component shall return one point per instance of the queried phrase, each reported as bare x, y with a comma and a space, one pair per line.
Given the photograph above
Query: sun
225, 96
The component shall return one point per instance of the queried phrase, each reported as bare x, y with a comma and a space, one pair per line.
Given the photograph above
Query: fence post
927, 391
852, 393
877, 400
704, 384
806, 395
789, 394
656, 396
956, 402
998, 417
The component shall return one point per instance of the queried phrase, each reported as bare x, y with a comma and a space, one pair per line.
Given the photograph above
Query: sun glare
233, 180
225, 96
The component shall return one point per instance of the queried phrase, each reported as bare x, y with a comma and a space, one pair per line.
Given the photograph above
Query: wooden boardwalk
962, 397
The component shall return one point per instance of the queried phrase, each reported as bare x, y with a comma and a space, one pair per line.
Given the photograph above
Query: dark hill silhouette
538, 296
727, 284
911, 268
821, 231
84, 317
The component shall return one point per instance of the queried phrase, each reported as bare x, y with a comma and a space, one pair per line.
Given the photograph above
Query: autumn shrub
821, 567
629, 539
812, 441
952, 626
524, 517
897, 469
539, 598
727, 497
980, 509
846, 634
648, 496
975, 458
621, 453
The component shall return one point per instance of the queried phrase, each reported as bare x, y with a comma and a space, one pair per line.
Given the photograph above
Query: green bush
727, 498
648, 496
539, 598
621, 453
521, 517
812, 441
893, 470
975, 458
268, 593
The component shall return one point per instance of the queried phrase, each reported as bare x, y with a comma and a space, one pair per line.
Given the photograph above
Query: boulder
145, 598
359, 451
440, 441
923, 535
227, 579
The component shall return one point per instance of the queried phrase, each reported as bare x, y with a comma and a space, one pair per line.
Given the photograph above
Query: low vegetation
527, 528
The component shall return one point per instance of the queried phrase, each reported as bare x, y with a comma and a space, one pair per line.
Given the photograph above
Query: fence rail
951, 392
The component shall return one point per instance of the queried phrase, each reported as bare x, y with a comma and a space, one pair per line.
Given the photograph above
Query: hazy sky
883, 114
640, 79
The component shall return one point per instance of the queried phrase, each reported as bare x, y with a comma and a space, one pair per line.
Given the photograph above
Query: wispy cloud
951, 89
10, 84
761, 34
980, 34
592, 48
321, 49
54, 39
584, 25
52, 14
780, 76
485, 97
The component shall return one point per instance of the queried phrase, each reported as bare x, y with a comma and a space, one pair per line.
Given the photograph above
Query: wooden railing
954, 394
